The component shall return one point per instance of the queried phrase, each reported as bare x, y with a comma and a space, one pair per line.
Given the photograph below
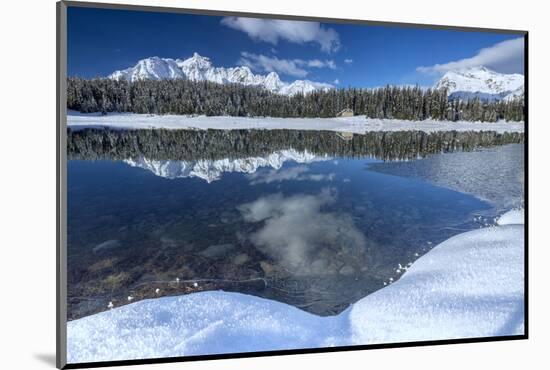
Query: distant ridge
483, 83
200, 68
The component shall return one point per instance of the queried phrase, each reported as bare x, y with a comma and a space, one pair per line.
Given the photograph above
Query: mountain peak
478, 69
153, 68
200, 68
197, 57
195, 62
481, 82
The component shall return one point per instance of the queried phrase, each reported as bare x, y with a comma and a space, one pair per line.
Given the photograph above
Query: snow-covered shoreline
356, 124
471, 285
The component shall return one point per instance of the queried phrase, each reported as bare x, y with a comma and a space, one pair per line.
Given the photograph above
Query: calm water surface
312, 229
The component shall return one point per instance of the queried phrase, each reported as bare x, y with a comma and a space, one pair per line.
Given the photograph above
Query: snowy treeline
212, 99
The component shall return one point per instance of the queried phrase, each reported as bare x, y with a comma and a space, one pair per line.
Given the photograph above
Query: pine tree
190, 97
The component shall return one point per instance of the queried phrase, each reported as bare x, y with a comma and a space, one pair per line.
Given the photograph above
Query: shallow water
315, 228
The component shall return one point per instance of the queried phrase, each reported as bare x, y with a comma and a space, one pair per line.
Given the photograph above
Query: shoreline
468, 286
354, 125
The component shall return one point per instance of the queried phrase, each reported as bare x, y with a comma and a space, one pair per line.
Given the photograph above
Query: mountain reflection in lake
295, 216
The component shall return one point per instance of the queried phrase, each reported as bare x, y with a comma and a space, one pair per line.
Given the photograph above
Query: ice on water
492, 174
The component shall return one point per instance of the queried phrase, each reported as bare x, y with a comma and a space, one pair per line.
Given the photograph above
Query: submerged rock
267, 267
319, 266
347, 270
241, 259
216, 251
106, 245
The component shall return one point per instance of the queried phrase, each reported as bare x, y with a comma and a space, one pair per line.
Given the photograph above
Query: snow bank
201, 323
357, 124
513, 217
468, 286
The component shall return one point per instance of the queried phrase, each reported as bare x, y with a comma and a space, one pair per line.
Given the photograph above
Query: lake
314, 219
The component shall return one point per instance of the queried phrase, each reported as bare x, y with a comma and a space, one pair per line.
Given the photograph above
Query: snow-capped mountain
481, 82
154, 68
199, 68
212, 170
515, 94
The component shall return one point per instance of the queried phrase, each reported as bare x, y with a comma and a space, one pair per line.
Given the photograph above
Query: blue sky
101, 41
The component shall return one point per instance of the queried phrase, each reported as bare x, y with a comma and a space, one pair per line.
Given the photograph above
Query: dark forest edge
191, 145
184, 97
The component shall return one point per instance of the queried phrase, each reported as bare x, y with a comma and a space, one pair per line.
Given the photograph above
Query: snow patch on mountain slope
153, 68
468, 286
199, 68
303, 87
481, 82
212, 170
517, 93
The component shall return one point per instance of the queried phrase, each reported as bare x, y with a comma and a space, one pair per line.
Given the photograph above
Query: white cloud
297, 173
264, 63
316, 63
291, 67
294, 230
505, 57
348, 61
273, 30
337, 82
